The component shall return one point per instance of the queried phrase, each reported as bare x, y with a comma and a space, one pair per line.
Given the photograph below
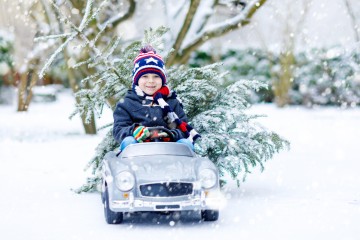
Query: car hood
159, 168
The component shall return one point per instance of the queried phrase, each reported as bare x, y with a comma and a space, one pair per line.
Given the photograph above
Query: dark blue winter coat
136, 110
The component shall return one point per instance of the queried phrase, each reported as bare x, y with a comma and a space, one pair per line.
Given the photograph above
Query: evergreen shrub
321, 76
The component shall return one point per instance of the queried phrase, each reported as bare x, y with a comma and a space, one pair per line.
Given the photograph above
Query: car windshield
158, 148
164, 167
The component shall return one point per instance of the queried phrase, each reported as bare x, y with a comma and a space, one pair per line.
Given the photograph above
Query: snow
309, 192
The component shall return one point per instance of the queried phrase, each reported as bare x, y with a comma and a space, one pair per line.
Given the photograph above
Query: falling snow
309, 192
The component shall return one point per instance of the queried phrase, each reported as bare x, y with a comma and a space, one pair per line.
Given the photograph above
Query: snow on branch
88, 9
45, 38
94, 15
78, 31
194, 4
115, 20
203, 16
55, 54
222, 28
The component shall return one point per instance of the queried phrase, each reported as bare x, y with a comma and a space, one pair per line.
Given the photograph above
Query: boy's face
150, 83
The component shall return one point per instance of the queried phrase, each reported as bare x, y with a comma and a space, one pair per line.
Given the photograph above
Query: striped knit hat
148, 62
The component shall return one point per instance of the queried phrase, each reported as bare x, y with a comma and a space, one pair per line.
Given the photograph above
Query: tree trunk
22, 92
184, 30
285, 79
91, 127
27, 82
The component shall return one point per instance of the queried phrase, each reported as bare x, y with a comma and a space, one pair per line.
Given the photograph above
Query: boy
150, 103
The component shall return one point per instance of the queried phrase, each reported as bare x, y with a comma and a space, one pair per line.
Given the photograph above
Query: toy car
161, 177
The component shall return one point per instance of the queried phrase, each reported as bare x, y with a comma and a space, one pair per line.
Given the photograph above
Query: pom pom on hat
148, 62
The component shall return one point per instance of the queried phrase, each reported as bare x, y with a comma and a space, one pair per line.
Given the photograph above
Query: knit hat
148, 62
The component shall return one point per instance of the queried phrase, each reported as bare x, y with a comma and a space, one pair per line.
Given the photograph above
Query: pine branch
55, 54
50, 37
154, 37
109, 50
86, 18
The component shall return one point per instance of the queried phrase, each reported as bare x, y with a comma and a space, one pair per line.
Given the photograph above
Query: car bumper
134, 205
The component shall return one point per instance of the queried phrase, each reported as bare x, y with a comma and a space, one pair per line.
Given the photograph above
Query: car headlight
207, 178
125, 181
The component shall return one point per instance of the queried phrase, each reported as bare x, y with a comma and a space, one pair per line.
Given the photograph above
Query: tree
292, 16
23, 73
55, 21
284, 77
196, 29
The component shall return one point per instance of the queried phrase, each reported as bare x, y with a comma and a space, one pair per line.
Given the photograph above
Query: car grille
168, 189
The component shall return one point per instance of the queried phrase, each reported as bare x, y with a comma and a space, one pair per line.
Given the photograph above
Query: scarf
169, 115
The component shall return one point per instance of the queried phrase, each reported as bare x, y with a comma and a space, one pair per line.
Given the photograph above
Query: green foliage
6, 49
108, 144
230, 138
321, 76
251, 64
327, 77
6, 66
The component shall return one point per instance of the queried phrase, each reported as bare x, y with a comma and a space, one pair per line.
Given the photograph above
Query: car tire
102, 196
110, 216
210, 215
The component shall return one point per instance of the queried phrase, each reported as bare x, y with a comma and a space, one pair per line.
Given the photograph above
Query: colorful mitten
141, 133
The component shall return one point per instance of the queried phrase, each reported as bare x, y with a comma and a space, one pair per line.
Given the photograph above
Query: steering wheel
159, 132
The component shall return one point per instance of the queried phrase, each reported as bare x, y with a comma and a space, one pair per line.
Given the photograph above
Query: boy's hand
141, 133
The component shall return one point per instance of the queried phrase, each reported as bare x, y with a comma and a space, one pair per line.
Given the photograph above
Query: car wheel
110, 216
210, 215
102, 195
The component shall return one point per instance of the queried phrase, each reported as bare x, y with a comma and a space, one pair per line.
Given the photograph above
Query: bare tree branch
305, 12
119, 19
184, 29
220, 29
207, 17
353, 20
172, 13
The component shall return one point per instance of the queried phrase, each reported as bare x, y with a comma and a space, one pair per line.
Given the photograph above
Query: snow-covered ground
309, 192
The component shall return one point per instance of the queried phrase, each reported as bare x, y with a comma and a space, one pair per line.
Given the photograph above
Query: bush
321, 76
6, 48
